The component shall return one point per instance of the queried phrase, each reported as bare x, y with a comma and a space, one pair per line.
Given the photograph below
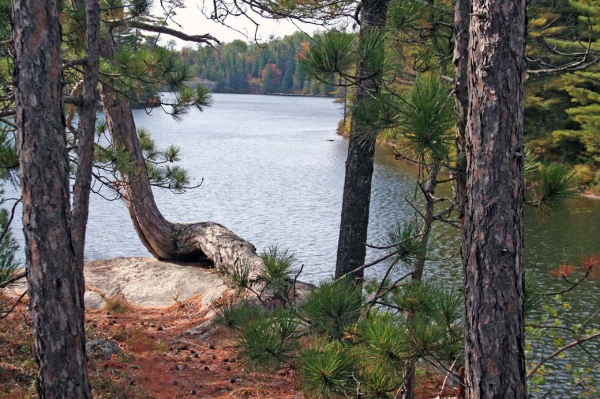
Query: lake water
272, 171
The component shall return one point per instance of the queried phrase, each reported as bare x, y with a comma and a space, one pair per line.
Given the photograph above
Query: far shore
586, 194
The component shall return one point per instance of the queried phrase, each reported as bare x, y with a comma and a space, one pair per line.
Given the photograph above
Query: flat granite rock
93, 300
145, 282
149, 282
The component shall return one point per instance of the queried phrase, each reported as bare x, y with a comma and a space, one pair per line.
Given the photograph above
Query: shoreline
342, 132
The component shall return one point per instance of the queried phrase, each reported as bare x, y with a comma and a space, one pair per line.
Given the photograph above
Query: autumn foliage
589, 266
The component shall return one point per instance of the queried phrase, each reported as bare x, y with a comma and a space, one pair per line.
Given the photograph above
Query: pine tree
493, 225
270, 78
563, 57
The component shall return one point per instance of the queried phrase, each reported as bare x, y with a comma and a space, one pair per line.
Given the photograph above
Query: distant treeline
562, 94
238, 67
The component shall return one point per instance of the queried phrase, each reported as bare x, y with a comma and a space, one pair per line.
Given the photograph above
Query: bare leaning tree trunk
493, 222
163, 239
55, 281
361, 151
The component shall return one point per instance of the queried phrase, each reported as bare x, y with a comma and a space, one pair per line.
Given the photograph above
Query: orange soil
159, 360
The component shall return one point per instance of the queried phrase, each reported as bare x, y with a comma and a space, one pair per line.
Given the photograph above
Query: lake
272, 171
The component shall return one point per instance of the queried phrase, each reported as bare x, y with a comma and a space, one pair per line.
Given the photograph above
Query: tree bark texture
163, 239
493, 224
361, 152
87, 129
461, 96
55, 282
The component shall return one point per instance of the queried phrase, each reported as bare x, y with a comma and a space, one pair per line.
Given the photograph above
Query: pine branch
207, 39
10, 219
8, 112
7, 312
12, 280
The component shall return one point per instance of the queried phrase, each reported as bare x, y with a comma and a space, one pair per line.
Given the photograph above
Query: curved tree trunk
361, 151
163, 239
54, 278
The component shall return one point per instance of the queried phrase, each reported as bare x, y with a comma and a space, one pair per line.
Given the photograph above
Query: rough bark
493, 223
461, 96
361, 152
55, 282
86, 131
163, 239
461, 100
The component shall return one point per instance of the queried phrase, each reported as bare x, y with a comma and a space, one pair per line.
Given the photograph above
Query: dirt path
153, 311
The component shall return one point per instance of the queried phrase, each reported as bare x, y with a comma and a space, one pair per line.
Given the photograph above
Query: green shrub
328, 370
332, 307
271, 340
384, 346
234, 315
277, 272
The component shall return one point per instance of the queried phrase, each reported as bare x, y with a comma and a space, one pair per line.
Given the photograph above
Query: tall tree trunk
163, 239
461, 96
55, 281
361, 152
493, 222
87, 129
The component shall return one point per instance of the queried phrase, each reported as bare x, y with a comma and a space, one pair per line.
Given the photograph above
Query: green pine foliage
235, 314
553, 186
327, 370
332, 308
385, 346
277, 274
404, 240
331, 55
426, 123
562, 102
420, 36
269, 341
340, 345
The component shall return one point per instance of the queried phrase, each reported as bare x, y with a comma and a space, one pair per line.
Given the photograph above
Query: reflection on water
272, 169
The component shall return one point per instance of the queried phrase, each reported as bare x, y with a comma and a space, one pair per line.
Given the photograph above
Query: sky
194, 23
